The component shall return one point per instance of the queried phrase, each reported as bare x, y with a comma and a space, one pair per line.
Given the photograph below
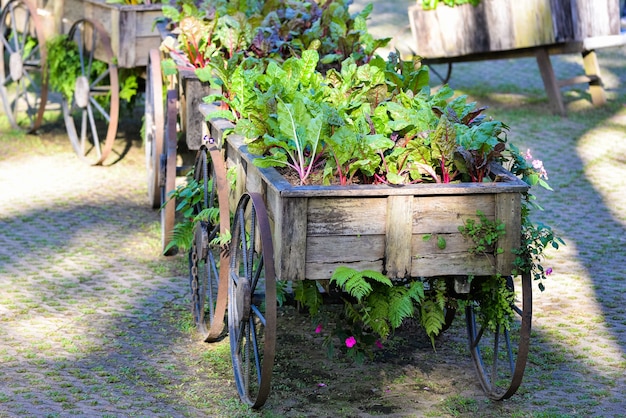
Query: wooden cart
116, 35
173, 130
502, 29
285, 232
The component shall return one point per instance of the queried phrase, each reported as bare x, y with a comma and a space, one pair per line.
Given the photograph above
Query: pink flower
528, 156
538, 165
378, 344
548, 271
318, 329
321, 385
350, 342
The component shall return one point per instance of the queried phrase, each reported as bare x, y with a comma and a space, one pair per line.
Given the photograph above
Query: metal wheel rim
252, 331
154, 125
167, 174
31, 90
503, 380
206, 260
88, 143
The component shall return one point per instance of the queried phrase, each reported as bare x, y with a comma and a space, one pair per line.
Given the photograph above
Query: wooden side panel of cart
131, 28
398, 231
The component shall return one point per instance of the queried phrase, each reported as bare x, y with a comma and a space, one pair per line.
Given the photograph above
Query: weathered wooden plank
347, 216
427, 245
532, 23
290, 238
345, 249
508, 210
444, 214
124, 24
501, 25
452, 265
399, 221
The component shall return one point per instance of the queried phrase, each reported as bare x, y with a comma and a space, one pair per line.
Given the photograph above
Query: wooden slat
452, 265
323, 271
444, 214
399, 214
290, 239
532, 23
346, 216
345, 249
508, 210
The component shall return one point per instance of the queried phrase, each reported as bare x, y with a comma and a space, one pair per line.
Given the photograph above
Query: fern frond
416, 291
182, 236
342, 274
377, 277
432, 318
358, 287
307, 293
400, 306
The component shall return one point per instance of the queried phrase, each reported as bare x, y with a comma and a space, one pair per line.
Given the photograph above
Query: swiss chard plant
376, 122
273, 29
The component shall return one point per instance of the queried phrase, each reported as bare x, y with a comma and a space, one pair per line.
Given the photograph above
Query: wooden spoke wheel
500, 355
154, 120
167, 174
208, 260
92, 114
23, 88
252, 301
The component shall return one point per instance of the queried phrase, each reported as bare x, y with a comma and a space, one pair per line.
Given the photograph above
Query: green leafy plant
373, 308
188, 196
484, 234
272, 29
432, 4
64, 67
133, 2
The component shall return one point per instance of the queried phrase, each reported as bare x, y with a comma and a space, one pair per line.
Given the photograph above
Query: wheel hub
81, 92
243, 300
16, 66
201, 237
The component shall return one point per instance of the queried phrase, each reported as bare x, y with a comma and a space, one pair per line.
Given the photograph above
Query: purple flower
378, 344
318, 329
350, 342
548, 271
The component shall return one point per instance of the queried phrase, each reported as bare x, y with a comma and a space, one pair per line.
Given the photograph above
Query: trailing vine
484, 234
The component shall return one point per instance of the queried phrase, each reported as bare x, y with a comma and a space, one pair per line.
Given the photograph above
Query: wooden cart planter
117, 35
167, 117
286, 232
499, 29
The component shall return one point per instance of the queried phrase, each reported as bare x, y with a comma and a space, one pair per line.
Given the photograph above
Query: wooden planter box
131, 29
316, 229
503, 25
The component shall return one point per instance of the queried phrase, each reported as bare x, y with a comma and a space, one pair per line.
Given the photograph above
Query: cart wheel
500, 356
208, 260
94, 107
154, 120
23, 88
252, 301
167, 174
448, 318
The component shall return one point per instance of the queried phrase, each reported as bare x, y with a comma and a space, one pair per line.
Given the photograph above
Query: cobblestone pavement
90, 314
